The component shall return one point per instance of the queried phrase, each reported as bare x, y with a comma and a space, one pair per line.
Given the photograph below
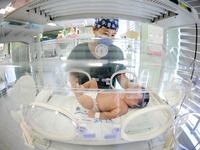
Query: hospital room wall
162, 68
149, 62
172, 53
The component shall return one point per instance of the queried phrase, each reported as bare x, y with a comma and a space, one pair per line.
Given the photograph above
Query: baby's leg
85, 101
92, 84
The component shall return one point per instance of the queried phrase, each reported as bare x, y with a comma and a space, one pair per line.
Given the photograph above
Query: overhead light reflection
51, 24
95, 64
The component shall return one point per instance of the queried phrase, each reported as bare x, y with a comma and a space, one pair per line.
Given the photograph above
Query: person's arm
124, 81
122, 78
106, 115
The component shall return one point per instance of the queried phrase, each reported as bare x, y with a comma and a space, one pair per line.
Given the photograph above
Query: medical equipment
69, 121
49, 110
52, 112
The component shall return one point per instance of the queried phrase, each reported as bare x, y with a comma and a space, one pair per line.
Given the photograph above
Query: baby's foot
91, 113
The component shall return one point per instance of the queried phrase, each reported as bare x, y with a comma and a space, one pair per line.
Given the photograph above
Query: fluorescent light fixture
51, 24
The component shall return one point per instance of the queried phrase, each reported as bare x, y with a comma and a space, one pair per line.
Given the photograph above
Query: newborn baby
109, 105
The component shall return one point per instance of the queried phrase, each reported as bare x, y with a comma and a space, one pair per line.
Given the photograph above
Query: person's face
134, 99
103, 31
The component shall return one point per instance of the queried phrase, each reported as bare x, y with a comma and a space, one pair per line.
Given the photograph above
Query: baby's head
138, 99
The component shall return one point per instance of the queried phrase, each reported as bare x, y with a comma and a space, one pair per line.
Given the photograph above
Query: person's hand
91, 113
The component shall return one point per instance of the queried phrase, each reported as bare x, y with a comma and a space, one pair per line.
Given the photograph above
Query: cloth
107, 23
93, 96
82, 52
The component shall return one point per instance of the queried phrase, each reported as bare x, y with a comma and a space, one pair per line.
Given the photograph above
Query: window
189, 59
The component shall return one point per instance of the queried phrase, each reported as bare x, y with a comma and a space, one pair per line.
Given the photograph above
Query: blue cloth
107, 23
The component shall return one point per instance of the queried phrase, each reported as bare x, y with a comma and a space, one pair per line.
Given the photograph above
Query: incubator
43, 97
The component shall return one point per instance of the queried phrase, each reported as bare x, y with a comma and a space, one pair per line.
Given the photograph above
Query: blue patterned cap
107, 23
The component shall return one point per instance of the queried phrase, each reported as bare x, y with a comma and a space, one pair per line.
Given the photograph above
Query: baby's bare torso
108, 102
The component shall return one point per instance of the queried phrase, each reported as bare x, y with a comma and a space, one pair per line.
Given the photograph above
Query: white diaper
93, 95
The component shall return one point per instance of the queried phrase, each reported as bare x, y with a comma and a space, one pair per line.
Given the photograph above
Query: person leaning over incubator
102, 49
109, 105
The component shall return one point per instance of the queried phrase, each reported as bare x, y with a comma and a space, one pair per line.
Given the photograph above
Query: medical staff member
101, 49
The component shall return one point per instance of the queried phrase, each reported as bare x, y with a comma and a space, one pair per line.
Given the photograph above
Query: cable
195, 54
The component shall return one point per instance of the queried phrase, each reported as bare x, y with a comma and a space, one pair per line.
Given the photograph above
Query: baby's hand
81, 87
91, 113
74, 83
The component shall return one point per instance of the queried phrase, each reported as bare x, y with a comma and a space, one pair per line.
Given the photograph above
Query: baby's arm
106, 115
81, 88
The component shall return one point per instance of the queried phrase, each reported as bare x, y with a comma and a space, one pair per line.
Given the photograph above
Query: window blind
189, 59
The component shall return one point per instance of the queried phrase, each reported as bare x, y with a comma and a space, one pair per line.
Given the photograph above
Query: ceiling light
51, 24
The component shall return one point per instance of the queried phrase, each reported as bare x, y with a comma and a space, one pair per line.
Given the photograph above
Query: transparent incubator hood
46, 95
